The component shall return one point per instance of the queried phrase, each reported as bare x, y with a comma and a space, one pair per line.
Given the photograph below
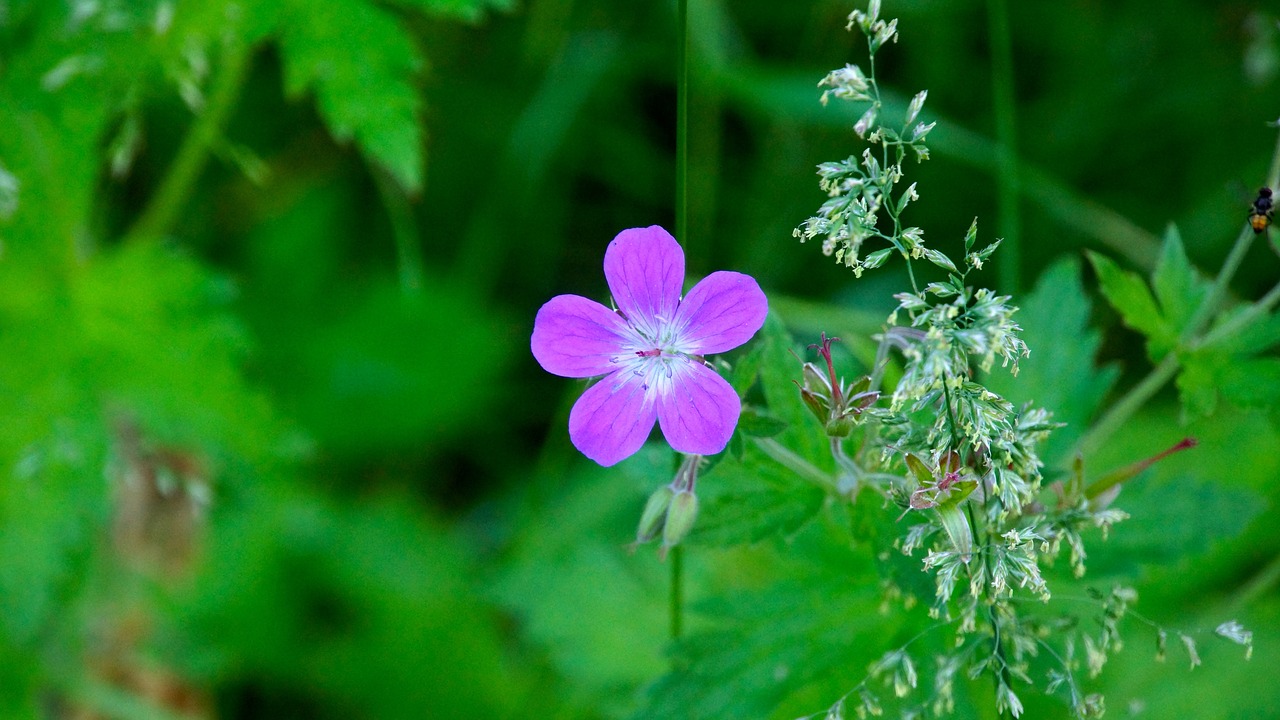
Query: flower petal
645, 270
576, 337
698, 411
612, 419
720, 313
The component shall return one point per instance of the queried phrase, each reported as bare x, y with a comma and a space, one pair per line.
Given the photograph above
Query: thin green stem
1218, 290
409, 261
170, 198
1261, 584
783, 455
1192, 336
676, 558
1243, 320
1132, 401
682, 123
1273, 174
850, 475
1009, 217
682, 233
999, 676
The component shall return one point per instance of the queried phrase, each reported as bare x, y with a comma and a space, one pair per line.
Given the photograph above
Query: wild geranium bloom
649, 350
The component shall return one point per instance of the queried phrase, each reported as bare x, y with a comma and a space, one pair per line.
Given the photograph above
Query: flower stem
167, 203
676, 557
682, 233
1010, 220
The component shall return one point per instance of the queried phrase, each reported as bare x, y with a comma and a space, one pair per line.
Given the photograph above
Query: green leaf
746, 368
1197, 382
749, 500
468, 10
1210, 375
572, 584
1128, 294
1061, 374
362, 66
1173, 519
1177, 286
779, 369
786, 648
755, 423
1252, 383
1256, 337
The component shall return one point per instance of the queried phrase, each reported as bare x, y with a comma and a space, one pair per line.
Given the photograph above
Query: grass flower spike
649, 350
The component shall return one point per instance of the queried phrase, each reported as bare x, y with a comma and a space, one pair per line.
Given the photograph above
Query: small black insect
1263, 210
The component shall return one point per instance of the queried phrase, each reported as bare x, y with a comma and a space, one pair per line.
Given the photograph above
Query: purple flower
650, 350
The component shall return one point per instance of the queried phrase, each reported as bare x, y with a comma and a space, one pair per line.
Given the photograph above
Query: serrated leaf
361, 65
1128, 294
778, 369
1251, 383
781, 649
1210, 374
752, 499
1197, 383
1177, 286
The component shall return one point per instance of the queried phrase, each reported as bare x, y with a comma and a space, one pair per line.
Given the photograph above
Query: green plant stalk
170, 198
1273, 174
1132, 401
1000, 676
410, 265
1255, 311
676, 558
1168, 366
1209, 305
682, 123
1007, 191
682, 233
1122, 475
783, 455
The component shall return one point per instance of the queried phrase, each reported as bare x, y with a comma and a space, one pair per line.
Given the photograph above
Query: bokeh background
271, 440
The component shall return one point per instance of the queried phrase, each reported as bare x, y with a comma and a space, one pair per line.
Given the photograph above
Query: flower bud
840, 426
680, 518
655, 514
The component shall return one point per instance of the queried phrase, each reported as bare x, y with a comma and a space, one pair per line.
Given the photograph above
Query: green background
317, 287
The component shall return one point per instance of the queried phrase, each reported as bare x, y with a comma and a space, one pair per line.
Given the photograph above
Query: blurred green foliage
280, 260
